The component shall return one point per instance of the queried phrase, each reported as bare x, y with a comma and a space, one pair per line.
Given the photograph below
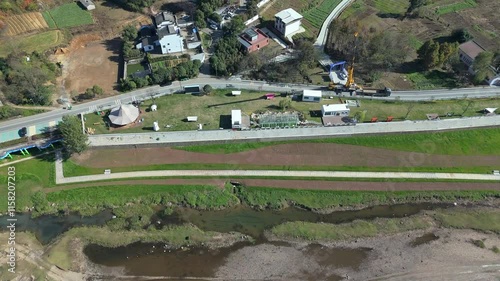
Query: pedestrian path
60, 179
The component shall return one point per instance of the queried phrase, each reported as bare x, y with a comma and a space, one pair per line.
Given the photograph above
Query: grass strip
470, 219
278, 198
460, 142
357, 229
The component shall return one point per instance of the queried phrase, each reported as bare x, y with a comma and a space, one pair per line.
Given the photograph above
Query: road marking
118, 102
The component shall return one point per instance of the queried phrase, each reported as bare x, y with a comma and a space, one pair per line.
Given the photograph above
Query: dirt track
314, 154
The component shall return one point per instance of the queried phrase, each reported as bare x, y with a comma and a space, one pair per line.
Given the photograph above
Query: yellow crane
350, 85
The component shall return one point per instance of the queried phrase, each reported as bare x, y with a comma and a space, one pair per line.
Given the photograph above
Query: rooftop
312, 93
86, 3
252, 33
471, 48
167, 30
288, 15
164, 17
334, 107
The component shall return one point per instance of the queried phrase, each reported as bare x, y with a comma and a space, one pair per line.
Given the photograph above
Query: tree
215, 17
481, 66
409, 109
433, 54
129, 33
252, 8
199, 19
207, 89
360, 116
97, 90
74, 140
235, 26
415, 4
284, 104
461, 35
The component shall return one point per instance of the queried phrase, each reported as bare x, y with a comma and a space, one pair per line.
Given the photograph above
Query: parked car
214, 27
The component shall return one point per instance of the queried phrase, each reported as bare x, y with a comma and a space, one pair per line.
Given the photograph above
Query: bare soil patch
89, 61
311, 154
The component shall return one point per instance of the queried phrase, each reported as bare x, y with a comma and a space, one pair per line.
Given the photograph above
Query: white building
287, 21
89, 5
170, 40
236, 119
335, 110
311, 95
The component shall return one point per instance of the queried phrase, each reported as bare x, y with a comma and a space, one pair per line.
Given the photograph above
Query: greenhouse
278, 120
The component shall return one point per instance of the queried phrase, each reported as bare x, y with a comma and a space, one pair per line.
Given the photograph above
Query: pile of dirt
81, 41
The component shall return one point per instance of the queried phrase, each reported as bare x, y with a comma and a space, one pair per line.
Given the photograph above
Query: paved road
146, 93
323, 33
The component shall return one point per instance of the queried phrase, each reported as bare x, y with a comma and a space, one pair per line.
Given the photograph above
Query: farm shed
335, 110
236, 93
236, 119
311, 95
89, 5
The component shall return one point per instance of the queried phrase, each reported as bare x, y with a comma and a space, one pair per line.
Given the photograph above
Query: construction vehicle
374, 93
350, 86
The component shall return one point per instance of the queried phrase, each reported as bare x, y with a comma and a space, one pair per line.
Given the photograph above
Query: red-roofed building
253, 39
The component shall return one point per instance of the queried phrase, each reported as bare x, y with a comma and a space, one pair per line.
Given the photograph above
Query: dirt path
312, 154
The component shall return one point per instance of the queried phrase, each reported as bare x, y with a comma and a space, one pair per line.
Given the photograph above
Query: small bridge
23, 147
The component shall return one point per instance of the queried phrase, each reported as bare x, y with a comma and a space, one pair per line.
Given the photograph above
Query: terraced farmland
317, 15
24, 23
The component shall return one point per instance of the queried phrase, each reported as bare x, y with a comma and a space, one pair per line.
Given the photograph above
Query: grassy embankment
89, 200
172, 110
480, 220
464, 142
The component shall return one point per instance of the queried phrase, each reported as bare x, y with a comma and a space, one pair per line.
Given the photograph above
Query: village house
287, 22
468, 52
253, 39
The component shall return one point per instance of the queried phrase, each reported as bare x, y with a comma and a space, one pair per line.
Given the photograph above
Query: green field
455, 7
39, 42
397, 7
432, 80
317, 15
67, 15
48, 18
132, 68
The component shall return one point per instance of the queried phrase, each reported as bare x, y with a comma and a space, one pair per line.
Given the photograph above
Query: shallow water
142, 259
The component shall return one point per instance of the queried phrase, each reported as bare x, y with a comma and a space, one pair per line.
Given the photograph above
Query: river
140, 259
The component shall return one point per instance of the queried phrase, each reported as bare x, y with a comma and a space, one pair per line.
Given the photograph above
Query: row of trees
28, 78
184, 70
434, 55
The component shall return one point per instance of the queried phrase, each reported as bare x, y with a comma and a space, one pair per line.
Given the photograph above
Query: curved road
146, 93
